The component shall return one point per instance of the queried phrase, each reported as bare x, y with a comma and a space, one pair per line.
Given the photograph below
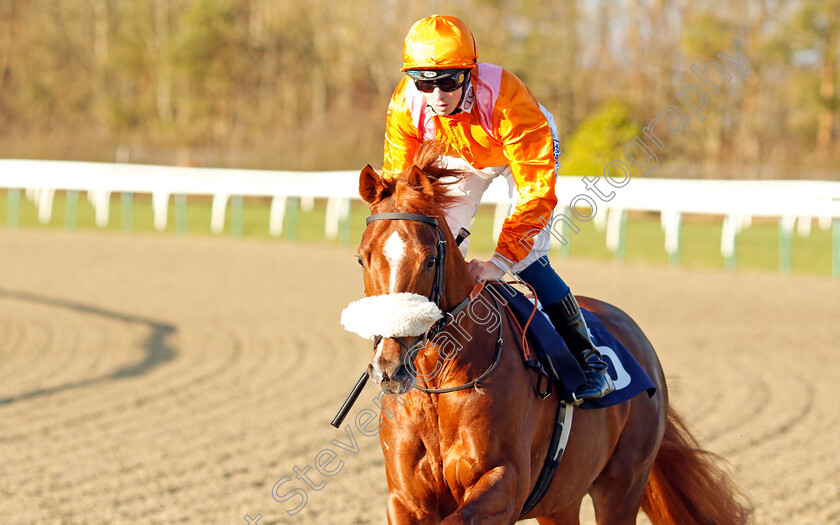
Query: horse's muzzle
400, 382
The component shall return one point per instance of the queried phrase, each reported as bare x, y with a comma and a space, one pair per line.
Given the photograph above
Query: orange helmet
439, 42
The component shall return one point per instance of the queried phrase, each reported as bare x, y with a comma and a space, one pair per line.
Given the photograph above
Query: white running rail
738, 201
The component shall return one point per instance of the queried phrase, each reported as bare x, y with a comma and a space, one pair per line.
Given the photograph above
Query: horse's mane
422, 198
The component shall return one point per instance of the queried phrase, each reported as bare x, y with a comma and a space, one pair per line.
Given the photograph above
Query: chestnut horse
474, 455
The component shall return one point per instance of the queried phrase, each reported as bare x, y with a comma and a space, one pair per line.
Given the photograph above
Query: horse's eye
430, 263
359, 260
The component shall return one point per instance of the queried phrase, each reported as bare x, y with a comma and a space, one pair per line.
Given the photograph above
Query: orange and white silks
499, 123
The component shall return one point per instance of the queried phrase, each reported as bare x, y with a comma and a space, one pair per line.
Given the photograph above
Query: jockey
490, 125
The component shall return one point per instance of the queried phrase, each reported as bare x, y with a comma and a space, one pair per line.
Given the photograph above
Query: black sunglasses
446, 84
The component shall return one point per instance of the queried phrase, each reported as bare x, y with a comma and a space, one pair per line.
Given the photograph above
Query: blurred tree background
304, 84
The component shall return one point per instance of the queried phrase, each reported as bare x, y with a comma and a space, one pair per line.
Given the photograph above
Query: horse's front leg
494, 498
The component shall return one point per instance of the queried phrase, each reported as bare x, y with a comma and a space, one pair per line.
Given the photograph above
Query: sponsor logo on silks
469, 99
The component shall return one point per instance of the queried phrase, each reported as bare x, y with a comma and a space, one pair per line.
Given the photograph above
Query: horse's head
412, 270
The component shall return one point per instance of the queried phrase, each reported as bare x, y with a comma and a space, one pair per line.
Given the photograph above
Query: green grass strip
757, 246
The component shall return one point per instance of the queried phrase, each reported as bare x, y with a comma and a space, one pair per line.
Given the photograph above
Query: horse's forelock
440, 178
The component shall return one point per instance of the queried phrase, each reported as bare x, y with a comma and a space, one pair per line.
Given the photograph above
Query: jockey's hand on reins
485, 270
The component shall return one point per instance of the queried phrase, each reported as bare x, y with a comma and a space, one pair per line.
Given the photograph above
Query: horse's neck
458, 285
460, 354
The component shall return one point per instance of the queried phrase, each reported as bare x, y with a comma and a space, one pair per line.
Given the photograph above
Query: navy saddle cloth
627, 374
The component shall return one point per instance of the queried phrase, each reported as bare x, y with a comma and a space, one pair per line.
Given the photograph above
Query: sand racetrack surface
157, 379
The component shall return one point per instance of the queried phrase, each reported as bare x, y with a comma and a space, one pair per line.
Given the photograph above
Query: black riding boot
569, 323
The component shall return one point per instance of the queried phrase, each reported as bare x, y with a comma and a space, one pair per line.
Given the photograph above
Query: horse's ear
371, 185
418, 180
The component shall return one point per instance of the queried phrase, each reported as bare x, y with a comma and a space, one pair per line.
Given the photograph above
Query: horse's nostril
401, 374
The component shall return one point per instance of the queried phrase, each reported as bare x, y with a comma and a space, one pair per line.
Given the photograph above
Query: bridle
438, 284
436, 294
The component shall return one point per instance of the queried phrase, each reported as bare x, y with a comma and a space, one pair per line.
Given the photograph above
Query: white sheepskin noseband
390, 315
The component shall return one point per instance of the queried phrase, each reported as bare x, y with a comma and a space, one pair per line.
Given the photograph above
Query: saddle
543, 350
